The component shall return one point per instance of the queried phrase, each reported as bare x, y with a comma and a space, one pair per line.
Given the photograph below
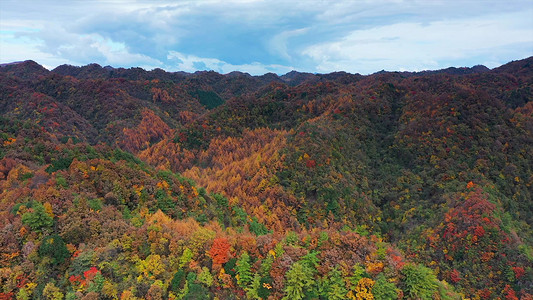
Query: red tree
220, 251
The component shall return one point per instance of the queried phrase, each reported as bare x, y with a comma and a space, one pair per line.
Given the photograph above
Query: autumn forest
132, 184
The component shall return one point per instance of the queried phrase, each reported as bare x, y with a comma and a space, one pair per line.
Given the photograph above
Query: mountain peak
27, 69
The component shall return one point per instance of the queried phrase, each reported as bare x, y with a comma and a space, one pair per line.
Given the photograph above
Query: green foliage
122, 155
194, 290
95, 204
358, 273
23, 294
311, 260
60, 164
61, 181
299, 281
209, 99
82, 262
54, 247
164, 201
65, 139
97, 284
185, 257
362, 230
291, 238
265, 287
178, 281
322, 238
52, 292
220, 200
383, 289
336, 288
230, 266
243, 270
258, 228
25, 176
166, 175
420, 282
17, 206
253, 290
38, 219
205, 277
197, 292
240, 214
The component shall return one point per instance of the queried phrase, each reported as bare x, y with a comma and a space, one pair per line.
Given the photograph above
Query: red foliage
509, 293
22, 280
455, 276
311, 163
398, 261
74, 278
220, 251
485, 294
89, 274
479, 231
6, 296
518, 272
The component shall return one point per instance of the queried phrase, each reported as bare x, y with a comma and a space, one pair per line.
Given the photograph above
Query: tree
420, 282
336, 288
38, 219
299, 279
51, 292
178, 281
220, 251
205, 277
383, 289
243, 270
54, 247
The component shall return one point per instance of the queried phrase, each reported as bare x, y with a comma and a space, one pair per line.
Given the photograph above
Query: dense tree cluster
129, 184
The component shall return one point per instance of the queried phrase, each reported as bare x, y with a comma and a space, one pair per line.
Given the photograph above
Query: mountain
127, 183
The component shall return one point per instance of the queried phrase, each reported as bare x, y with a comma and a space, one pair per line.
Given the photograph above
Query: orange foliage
151, 129
220, 250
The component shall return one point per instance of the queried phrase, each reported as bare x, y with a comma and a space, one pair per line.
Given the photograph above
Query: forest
132, 184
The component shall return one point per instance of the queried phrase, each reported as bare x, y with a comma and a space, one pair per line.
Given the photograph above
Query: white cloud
260, 36
192, 63
416, 46
278, 44
54, 46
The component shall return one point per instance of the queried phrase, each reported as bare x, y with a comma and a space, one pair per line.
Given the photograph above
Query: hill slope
156, 184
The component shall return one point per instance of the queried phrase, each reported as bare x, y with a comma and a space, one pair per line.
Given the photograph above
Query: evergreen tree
383, 289
420, 282
243, 270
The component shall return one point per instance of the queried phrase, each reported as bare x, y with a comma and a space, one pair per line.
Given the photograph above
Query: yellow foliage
272, 252
364, 288
48, 209
23, 231
374, 268
9, 141
127, 295
152, 266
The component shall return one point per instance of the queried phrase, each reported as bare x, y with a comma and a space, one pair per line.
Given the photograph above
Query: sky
261, 36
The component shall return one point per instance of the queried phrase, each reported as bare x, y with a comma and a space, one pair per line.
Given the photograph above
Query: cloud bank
267, 36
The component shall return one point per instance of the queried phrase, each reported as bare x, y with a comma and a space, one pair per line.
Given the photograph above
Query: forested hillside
134, 184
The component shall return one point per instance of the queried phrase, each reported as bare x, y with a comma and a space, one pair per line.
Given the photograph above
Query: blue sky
268, 36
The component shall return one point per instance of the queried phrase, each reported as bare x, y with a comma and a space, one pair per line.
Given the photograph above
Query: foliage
54, 247
420, 282
383, 289
138, 184
38, 219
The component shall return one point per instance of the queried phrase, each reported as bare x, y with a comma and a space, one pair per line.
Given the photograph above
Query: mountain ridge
419, 184
109, 71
